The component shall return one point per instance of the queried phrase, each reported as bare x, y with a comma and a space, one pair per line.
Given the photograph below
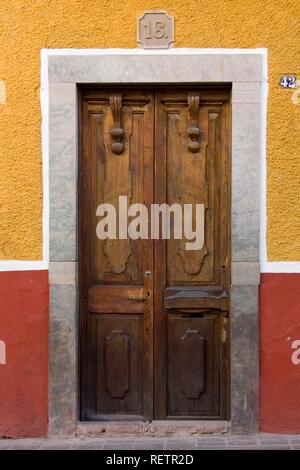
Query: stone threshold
154, 428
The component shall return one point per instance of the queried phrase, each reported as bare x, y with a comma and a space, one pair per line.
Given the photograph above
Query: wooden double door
154, 314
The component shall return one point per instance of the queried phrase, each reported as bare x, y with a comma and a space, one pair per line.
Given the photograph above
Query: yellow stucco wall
27, 26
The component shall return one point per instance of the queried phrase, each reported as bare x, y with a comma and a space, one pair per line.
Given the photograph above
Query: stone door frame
62, 71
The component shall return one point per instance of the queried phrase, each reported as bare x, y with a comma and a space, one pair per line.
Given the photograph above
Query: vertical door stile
160, 265
149, 258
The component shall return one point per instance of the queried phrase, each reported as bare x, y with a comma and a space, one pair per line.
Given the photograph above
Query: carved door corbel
193, 131
117, 132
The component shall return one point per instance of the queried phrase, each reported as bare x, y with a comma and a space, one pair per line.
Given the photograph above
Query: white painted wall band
265, 265
17, 265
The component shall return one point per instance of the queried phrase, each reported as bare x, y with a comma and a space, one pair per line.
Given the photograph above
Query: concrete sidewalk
215, 442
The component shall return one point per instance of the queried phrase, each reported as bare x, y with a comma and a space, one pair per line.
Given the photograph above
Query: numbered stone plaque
155, 30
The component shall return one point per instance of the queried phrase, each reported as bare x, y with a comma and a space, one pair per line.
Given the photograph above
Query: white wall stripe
265, 265
17, 265
281, 267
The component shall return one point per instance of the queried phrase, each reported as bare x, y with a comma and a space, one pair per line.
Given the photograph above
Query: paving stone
242, 445
274, 443
212, 448
149, 444
56, 446
274, 447
242, 442
115, 444
212, 443
5, 443
295, 444
87, 446
274, 440
118, 447
181, 444
216, 442
242, 438
29, 446
250, 447
208, 447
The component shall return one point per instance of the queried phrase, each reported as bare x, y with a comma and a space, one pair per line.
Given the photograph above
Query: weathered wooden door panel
117, 314
195, 175
119, 361
192, 167
193, 359
155, 346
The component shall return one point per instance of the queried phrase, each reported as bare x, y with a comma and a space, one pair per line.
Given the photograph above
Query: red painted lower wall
24, 377
280, 353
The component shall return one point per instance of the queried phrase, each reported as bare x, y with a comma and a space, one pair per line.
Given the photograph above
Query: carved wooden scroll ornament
117, 132
193, 130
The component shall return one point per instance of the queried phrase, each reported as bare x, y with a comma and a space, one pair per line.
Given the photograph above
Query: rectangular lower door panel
119, 359
193, 366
